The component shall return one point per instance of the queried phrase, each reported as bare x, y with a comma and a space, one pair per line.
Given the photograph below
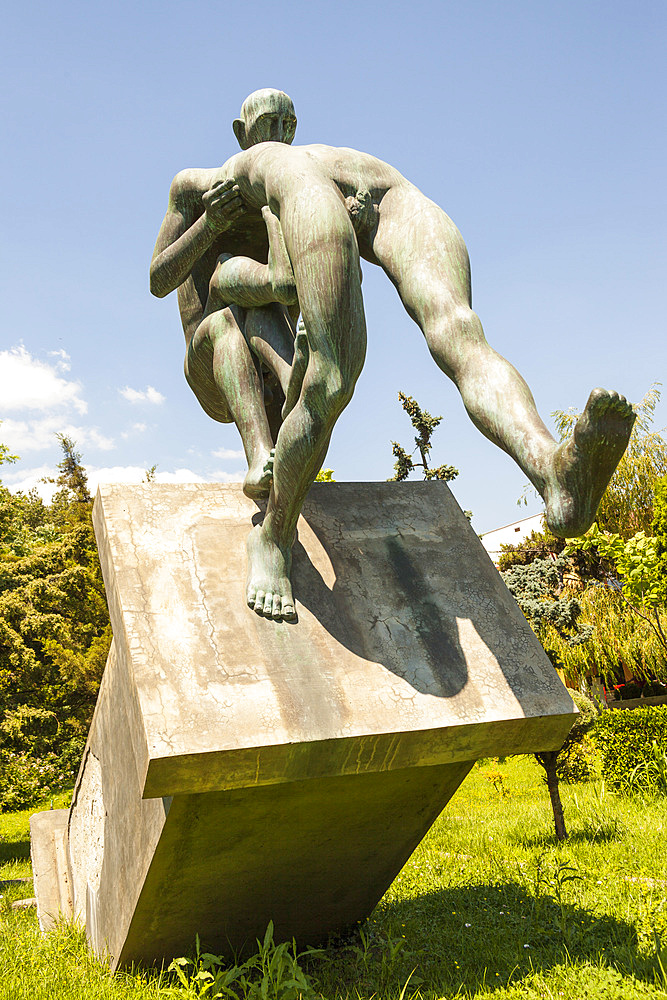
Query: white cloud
134, 429
36, 434
29, 384
180, 476
229, 477
136, 474
229, 453
28, 479
149, 395
63, 362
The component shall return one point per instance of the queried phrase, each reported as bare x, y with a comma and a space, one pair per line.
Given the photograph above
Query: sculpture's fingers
259, 602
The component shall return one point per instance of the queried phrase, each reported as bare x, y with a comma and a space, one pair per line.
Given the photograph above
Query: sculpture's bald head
266, 116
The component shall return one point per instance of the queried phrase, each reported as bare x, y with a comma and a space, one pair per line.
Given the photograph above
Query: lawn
488, 905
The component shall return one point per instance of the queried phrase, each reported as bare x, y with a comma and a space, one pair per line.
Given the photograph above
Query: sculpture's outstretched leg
583, 465
435, 289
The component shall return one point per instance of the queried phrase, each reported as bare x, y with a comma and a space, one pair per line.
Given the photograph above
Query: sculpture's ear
239, 131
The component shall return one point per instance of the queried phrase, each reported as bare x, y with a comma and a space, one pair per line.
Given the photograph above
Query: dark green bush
624, 740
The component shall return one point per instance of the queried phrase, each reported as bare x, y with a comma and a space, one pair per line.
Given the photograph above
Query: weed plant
489, 905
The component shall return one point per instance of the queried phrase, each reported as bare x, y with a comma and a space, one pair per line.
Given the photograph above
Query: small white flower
526, 946
468, 925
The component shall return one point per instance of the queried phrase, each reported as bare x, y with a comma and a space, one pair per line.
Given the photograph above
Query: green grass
488, 905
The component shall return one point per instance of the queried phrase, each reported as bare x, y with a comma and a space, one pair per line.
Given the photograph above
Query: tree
635, 561
627, 504
538, 590
538, 545
424, 424
54, 632
552, 760
660, 533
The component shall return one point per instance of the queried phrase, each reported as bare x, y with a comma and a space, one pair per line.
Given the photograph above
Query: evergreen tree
424, 424
54, 633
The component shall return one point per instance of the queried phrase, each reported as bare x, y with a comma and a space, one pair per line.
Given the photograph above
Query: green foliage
618, 641
6, 457
272, 973
627, 504
575, 760
660, 533
635, 560
54, 633
578, 764
538, 590
538, 545
651, 774
487, 880
424, 424
627, 739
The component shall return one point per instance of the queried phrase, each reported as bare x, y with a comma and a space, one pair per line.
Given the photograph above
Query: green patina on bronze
279, 230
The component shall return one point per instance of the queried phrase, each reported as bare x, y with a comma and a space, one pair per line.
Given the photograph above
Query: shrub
579, 763
25, 778
625, 741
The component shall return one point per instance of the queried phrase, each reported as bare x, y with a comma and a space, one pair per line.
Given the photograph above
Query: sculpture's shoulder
352, 166
189, 185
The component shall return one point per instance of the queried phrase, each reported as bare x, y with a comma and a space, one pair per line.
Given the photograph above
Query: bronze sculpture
333, 206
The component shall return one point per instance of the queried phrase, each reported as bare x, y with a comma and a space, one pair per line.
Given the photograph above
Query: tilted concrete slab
240, 770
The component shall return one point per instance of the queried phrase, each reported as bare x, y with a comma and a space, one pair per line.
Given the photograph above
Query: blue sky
539, 128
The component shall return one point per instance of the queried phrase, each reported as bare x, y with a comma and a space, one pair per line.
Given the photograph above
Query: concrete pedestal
240, 770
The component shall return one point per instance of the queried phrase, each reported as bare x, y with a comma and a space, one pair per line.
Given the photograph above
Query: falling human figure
333, 205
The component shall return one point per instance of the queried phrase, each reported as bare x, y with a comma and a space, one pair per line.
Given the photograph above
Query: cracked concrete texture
405, 627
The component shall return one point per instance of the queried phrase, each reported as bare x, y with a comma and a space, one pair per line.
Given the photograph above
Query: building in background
511, 534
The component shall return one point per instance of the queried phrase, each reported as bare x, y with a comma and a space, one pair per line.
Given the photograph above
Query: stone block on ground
240, 770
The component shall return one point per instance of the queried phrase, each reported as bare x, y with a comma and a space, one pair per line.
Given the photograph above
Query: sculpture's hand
223, 205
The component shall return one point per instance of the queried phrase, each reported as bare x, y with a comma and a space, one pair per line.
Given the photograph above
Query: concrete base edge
48, 849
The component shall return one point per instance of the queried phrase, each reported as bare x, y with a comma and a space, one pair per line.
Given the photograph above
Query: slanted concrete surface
50, 866
240, 770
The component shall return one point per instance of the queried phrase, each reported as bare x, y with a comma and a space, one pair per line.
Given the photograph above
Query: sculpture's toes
250, 595
287, 609
258, 606
276, 608
267, 609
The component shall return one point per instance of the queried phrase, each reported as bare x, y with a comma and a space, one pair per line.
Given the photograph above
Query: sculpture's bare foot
584, 464
257, 483
269, 590
299, 365
281, 274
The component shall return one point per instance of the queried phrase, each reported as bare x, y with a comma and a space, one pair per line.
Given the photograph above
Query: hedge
624, 739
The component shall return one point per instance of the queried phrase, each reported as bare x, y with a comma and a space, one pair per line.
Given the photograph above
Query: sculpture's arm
182, 241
